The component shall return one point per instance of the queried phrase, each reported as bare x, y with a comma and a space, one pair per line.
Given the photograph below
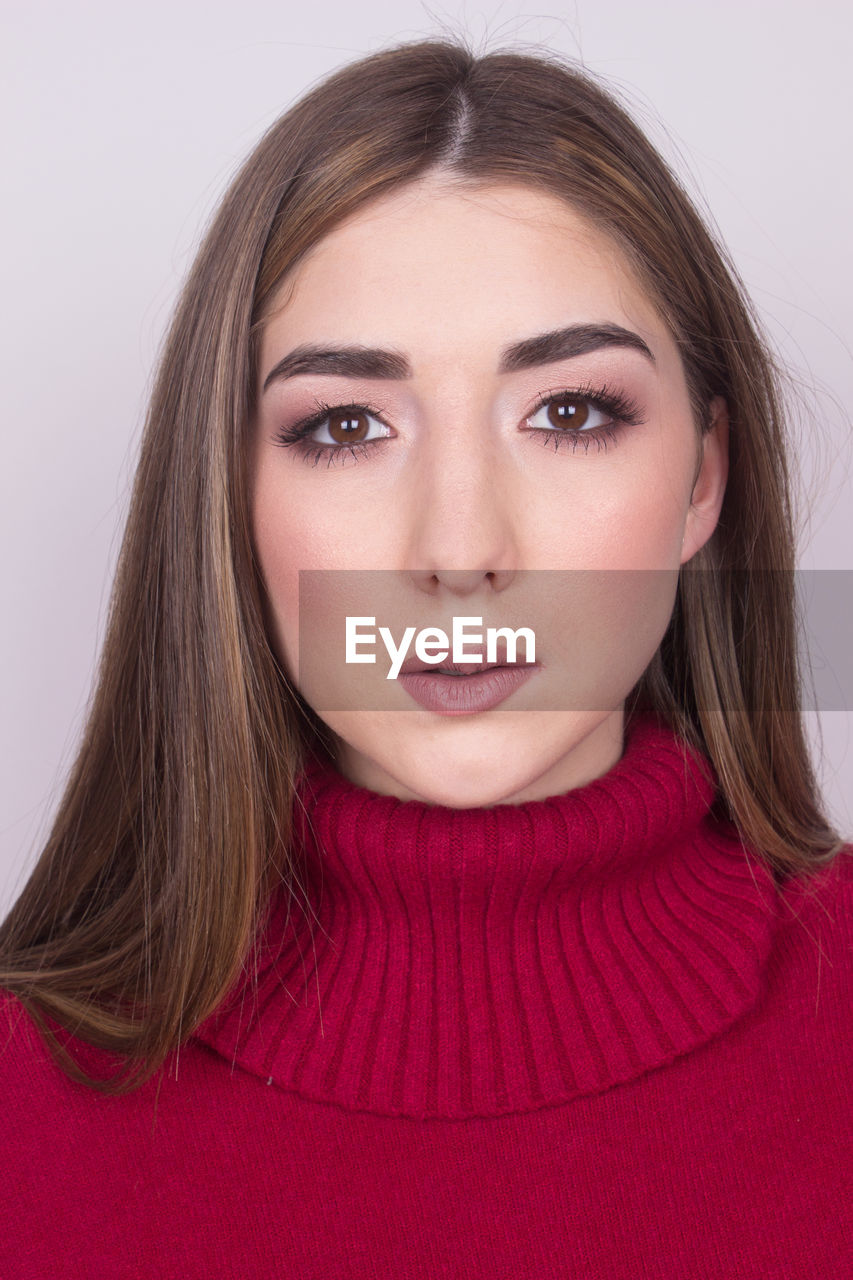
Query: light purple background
122, 127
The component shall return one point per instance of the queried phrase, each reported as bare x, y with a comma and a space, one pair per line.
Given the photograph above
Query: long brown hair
174, 825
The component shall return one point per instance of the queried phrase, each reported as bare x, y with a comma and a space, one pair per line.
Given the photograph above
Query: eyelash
621, 410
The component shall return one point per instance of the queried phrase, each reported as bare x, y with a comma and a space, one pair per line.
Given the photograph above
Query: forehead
482, 258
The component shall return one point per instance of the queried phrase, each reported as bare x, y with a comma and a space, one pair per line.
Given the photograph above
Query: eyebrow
373, 362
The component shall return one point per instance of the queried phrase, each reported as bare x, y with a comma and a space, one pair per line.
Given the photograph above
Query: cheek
603, 629
281, 543
644, 536
301, 556
633, 529
635, 521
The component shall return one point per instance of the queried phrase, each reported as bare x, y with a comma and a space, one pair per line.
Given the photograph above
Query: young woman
513, 963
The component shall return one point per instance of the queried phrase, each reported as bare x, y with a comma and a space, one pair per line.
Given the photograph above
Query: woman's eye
569, 414
335, 433
345, 426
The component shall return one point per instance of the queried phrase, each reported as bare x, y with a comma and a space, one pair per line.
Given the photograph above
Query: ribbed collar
479, 962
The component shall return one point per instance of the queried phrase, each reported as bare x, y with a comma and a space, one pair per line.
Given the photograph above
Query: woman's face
495, 425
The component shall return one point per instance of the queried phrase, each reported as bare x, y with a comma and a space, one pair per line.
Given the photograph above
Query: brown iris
568, 412
346, 426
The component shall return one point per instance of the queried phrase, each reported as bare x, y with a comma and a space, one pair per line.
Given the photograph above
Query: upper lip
414, 664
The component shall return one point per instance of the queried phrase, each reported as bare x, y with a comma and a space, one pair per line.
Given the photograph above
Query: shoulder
35, 1096
826, 892
22, 1048
31, 1082
814, 941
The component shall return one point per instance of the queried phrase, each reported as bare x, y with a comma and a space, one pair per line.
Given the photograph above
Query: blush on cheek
648, 539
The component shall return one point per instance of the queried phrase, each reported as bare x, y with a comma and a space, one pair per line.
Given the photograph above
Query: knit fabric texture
592, 1035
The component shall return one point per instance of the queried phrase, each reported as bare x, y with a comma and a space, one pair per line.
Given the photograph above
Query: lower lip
464, 695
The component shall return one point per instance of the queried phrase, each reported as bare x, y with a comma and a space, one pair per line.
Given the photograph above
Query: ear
710, 483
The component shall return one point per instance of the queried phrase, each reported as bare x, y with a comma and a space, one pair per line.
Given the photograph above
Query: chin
455, 786
477, 762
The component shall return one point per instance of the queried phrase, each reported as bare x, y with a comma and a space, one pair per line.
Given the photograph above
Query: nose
462, 534
461, 582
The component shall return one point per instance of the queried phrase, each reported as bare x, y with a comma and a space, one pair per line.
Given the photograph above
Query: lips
416, 665
464, 695
457, 668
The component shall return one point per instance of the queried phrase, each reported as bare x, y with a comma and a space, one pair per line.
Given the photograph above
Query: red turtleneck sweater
588, 1036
